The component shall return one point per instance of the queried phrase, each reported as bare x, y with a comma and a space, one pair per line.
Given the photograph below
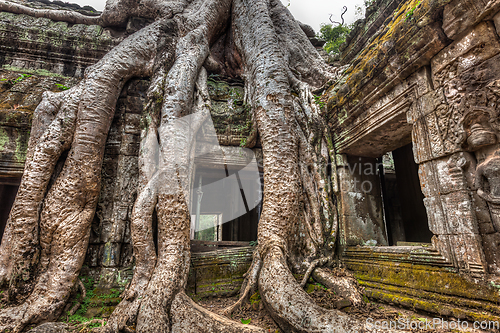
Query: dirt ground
254, 313
258, 316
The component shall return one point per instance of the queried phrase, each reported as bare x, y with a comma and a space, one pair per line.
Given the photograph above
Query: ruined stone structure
415, 127
422, 83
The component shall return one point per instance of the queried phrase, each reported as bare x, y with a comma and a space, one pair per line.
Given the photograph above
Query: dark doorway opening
405, 213
7, 195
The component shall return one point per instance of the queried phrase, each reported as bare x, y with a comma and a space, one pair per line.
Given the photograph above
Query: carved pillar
360, 201
456, 147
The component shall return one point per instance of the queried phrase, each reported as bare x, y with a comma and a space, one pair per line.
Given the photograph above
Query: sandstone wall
428, 76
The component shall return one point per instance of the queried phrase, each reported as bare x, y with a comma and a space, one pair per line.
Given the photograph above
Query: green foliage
18, 79
255, 298
318, 101
254, 243
61, 86
208, 229
334, 37
246, 321
76, 318
321, 286
88, 283
243, 142
114, 294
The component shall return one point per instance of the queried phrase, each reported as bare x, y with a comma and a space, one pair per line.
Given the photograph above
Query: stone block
425, 105
345, 179
111, 254
460, 15
363, 227
138, 88
134, 104
468, 252
112, 149
341, 160
481, 209
121, 105
480, 44
421, 80
93, 255
442, 244
127, 256
421, 145
451, 178
126, 181
132, 123
438, 224
435, 140
458, 209
118, 231
106, 228
486, 228
130, 145
429, 183
349, 201
492, 252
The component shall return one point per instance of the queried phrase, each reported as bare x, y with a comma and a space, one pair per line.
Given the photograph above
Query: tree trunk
48, 229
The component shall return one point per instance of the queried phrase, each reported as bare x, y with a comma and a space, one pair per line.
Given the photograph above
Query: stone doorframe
452, 109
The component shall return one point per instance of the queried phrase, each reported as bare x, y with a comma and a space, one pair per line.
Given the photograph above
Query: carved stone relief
457, 140
480, 133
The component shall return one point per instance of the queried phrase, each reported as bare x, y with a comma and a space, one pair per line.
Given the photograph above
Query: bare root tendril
312, 266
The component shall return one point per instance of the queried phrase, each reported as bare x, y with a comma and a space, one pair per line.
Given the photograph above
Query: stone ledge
420, 303
445, 281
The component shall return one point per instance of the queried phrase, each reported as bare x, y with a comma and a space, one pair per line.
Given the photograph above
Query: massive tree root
48, 229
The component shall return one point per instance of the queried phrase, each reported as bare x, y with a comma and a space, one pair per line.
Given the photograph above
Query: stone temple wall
424, 74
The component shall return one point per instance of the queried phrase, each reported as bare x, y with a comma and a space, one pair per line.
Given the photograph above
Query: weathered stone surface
451, 177
491, 253
429, 181
50, 328
438, 224
469, 253
20, 93
24, 42
458, 208
218, 273
496, 20
406, 82
375, 16
479, 45
460, 15
361, 205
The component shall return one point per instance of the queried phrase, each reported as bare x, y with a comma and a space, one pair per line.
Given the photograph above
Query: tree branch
53, 14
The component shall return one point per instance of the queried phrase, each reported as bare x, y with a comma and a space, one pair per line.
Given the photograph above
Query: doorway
7, 195
405, 213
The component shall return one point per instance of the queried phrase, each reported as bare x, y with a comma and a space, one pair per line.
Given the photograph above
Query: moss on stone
4, 139
41, 72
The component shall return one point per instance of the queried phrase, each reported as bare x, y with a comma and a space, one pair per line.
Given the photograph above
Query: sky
312, 12
315, 12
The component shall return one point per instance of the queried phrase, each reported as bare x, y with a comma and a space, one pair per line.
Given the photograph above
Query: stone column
444, 123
